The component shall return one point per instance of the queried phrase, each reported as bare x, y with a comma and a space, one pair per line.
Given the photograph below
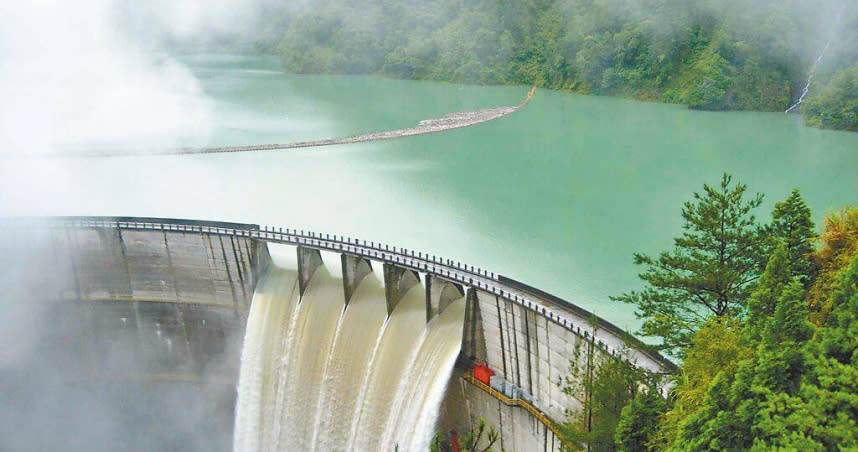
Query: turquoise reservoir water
558, 195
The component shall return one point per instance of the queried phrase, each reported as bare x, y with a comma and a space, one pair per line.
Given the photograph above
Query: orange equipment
483, 373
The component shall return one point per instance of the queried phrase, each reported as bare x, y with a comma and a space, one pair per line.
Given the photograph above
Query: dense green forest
710, 55
762, 316
835, 105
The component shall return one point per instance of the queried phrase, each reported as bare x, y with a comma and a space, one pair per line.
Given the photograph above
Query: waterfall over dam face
320, 374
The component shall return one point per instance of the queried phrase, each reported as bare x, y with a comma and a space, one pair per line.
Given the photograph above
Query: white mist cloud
74, 75
69, 76
92, 75
194, 18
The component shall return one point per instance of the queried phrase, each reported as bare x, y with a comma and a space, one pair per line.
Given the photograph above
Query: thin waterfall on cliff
810, 76
813, 68
318, 374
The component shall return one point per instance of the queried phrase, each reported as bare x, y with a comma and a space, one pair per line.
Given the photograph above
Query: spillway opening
322, 373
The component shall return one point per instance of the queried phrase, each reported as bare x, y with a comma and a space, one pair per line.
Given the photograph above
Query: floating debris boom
447, 122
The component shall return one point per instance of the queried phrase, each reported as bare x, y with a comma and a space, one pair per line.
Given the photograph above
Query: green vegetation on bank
603, 385
835, 105
765, 320
726, 55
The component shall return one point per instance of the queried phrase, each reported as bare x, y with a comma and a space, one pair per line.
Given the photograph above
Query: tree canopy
792, 225
835, 106
783, 375
769, 362
719, 254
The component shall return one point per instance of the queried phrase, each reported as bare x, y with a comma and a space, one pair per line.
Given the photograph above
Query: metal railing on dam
610, 338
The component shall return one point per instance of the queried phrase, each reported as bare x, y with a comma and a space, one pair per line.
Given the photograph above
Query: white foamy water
318, 319
412, 428
349, 363
273, 302
400, 342
316, 376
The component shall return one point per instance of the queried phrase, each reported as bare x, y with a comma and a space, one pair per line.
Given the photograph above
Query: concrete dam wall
195, 280
128, 339
163, 265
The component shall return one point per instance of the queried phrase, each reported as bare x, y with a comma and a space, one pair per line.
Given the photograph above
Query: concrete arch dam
348, 344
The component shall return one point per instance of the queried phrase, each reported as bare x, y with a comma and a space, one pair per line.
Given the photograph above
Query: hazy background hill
711, 55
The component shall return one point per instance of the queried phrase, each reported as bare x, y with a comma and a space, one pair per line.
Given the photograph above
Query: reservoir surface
558, 195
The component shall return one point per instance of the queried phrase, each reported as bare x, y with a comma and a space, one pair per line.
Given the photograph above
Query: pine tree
795, 385
800, 389
790, 325
763, 302
604, 385
714, 261
822, 412
781, 358
791, 223
838, 246
831, 388
639, 421
735, 400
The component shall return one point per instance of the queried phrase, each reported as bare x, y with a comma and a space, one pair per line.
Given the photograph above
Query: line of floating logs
447, 122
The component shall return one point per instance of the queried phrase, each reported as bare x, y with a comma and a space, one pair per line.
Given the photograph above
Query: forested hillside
710, 55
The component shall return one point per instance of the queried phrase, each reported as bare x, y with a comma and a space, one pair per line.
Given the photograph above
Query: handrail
600, 322
535, 412
553, 308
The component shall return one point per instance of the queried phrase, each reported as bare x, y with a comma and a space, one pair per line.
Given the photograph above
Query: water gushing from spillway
275, 297
317, 374
423, 390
